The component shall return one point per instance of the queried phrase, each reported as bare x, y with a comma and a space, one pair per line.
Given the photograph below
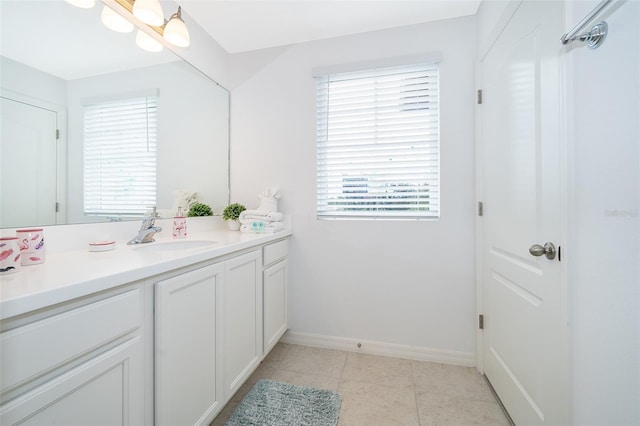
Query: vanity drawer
41, 346
274, 252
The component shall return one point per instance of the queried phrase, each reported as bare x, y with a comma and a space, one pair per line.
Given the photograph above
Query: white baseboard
416, 353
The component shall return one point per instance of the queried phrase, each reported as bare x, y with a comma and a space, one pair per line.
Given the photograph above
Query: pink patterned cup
31, 243
179, 227
9, 255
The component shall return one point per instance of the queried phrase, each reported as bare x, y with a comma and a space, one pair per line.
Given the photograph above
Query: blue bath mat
272, 403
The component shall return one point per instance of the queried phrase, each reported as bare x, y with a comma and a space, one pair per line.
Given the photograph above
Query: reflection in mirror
57, 61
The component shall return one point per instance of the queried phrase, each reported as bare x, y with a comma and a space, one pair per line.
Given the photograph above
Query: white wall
402, 282
31, 82
604, 225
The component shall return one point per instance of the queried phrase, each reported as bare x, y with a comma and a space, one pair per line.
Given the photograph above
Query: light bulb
148, 43
114, 21
149, 11
85, 4
175, 32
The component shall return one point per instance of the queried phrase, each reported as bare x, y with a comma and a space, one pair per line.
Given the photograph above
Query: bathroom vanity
162, 333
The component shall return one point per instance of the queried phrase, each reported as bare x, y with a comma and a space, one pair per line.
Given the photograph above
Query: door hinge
481, 322
57, 207
57, 134
479, 96
480, 208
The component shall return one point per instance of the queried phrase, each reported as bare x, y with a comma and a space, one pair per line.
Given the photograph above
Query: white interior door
524, 331
28, 150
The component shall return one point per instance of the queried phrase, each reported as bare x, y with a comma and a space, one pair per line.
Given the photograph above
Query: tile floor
380, 390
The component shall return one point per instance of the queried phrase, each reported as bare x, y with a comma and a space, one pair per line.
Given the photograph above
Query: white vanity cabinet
274, 290
80, 363
242, 320
169, 348
187, 362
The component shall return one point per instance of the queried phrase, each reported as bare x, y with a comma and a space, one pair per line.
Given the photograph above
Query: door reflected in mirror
41, 185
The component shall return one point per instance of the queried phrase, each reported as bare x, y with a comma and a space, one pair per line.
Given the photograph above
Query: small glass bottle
179, 225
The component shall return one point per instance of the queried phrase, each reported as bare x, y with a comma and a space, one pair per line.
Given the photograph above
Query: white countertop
71, 274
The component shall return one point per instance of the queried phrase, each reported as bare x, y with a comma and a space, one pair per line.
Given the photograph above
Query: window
378, 143
120, 157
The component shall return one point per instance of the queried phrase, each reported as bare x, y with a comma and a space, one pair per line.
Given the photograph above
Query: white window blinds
378, 143
120, 157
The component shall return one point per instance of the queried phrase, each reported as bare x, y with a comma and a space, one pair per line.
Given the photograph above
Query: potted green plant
231, 213
199, 209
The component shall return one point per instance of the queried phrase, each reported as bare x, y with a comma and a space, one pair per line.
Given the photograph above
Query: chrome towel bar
595, 37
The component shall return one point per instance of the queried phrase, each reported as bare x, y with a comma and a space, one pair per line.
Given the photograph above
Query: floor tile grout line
340, 382
415, 392
286, 350
306, 373
344, 365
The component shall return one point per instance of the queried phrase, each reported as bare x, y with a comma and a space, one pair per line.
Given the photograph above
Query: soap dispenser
179, 225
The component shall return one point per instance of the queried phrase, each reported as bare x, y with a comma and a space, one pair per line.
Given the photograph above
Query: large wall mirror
56, 60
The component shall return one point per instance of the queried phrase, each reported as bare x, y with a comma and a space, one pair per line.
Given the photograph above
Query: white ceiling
71, 43
243, 25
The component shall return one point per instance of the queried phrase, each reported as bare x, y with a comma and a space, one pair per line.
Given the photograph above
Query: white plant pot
233, 225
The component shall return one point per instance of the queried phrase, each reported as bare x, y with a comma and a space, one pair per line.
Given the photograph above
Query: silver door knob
549, 250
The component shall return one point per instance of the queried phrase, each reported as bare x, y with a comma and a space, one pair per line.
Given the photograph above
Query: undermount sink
176, 245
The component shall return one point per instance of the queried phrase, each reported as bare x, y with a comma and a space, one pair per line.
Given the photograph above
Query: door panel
274, 295
28, 148
106, 390
242, 327
520, 136
186, 348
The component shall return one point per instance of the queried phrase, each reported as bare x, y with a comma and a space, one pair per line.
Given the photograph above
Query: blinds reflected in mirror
120, 139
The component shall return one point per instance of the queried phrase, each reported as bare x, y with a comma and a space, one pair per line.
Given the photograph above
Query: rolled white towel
259, 227
249, 216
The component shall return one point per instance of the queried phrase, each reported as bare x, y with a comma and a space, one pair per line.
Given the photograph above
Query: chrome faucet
146, 231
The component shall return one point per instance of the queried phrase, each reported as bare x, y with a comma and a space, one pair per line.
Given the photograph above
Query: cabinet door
242, 325
106, 390
274, 289
187, 390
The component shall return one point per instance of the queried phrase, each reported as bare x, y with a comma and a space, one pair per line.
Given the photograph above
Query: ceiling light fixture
175, 32
148, 43
149, 11
114, 21
85, 4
